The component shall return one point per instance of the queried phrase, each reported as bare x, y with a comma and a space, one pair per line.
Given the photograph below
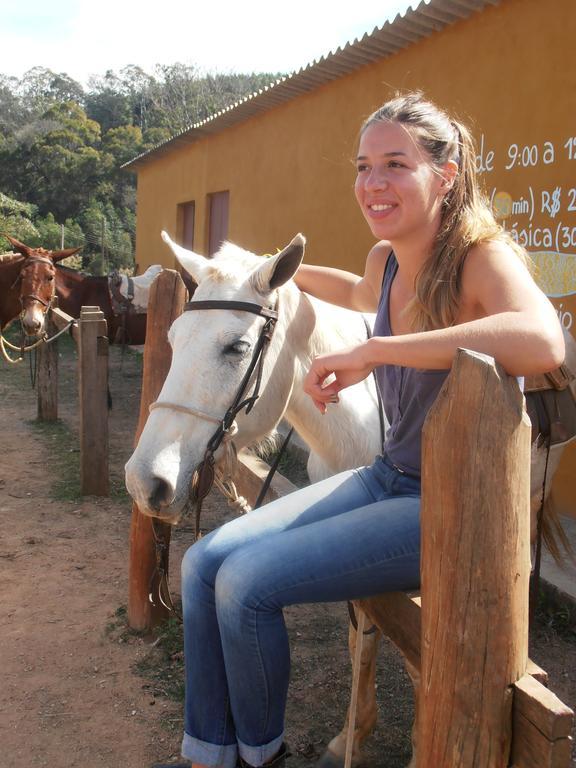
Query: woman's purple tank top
407, 393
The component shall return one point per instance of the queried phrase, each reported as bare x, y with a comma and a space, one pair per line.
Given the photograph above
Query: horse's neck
348, 435
10, 297
76, 290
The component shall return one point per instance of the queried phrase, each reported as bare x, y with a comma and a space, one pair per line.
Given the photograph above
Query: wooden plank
531, 749
60, 318
537, 672
252, 471
93, 385
167, 297
543, 708
475, 565
47, 381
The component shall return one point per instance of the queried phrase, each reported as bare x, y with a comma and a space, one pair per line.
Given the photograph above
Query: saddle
121, 305
551, 406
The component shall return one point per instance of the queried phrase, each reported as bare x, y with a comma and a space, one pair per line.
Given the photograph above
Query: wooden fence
90, 334
482, 703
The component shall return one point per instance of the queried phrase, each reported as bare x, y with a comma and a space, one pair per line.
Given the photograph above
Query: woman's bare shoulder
375, 265
496, 273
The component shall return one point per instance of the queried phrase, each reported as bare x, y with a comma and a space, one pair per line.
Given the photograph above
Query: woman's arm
515, 323
345, 288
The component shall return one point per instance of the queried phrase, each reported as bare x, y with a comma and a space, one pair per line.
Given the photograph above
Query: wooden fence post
167, 297
93, 383
47, 381
475, 565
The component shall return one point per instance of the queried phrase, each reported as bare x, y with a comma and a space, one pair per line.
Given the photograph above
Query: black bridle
203, 476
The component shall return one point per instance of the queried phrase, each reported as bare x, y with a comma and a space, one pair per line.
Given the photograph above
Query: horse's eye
237, 348
50, 278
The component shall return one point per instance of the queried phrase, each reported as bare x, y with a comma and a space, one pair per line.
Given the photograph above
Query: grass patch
163, 665
62, 447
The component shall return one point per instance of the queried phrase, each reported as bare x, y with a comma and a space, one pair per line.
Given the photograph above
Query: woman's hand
343, 368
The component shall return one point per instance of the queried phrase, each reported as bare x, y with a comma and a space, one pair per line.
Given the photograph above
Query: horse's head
36, 283
212, 350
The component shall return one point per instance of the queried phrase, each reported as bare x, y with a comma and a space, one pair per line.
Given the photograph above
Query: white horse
210, 357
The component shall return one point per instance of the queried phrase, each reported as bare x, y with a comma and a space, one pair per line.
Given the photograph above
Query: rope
5, 345
228, 489
22, 349
56, 335
189, 411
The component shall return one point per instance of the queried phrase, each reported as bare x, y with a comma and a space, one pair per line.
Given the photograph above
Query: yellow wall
508, 71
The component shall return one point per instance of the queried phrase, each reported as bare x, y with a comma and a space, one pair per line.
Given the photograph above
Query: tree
54, 236
55, 163
62, 148
12, 112
39, 88
16, 220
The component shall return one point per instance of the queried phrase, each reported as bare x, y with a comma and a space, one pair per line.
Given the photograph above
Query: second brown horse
29, 279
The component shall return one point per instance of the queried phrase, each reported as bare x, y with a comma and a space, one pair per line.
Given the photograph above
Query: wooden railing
90, 334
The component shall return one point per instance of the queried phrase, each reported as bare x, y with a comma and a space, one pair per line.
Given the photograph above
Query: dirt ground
74, 691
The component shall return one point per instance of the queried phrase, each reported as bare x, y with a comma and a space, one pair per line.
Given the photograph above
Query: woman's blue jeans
354, 535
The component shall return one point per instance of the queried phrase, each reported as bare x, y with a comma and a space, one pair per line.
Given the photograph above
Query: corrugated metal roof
428, 17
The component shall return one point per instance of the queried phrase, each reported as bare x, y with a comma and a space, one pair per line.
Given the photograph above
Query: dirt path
71, 693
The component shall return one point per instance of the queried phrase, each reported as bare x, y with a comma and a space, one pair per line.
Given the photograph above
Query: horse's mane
8, 258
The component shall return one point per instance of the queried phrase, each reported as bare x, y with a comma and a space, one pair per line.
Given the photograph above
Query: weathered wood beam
47, 382
167, 297
475, 564
93, 397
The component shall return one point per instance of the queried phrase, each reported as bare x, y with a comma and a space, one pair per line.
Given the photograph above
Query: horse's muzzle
161, 494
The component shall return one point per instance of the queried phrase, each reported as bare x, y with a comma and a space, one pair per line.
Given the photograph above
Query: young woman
443, 275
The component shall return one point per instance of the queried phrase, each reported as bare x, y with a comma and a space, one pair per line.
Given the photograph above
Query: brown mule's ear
59, 255
25, 250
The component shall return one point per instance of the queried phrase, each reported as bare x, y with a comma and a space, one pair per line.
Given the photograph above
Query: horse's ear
278, 269
25, 250
197, 266
59, 255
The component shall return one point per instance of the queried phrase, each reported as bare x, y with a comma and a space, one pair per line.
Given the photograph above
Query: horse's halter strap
203, 476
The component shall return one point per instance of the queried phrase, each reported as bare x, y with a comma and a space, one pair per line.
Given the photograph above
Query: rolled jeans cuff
213, 755
259, 755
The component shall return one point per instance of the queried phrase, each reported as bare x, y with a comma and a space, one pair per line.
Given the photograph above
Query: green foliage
62, 148
16, 220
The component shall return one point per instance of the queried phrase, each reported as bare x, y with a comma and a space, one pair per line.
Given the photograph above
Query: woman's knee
200, 565
240, 582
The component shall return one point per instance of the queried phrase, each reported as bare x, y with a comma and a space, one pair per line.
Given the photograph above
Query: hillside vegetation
62, 146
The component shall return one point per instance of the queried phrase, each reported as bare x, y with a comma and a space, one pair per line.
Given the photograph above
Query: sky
84, 37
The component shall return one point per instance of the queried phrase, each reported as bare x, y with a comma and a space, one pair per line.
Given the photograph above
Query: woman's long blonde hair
466, 215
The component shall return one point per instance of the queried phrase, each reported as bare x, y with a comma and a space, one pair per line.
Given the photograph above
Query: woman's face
399, 191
